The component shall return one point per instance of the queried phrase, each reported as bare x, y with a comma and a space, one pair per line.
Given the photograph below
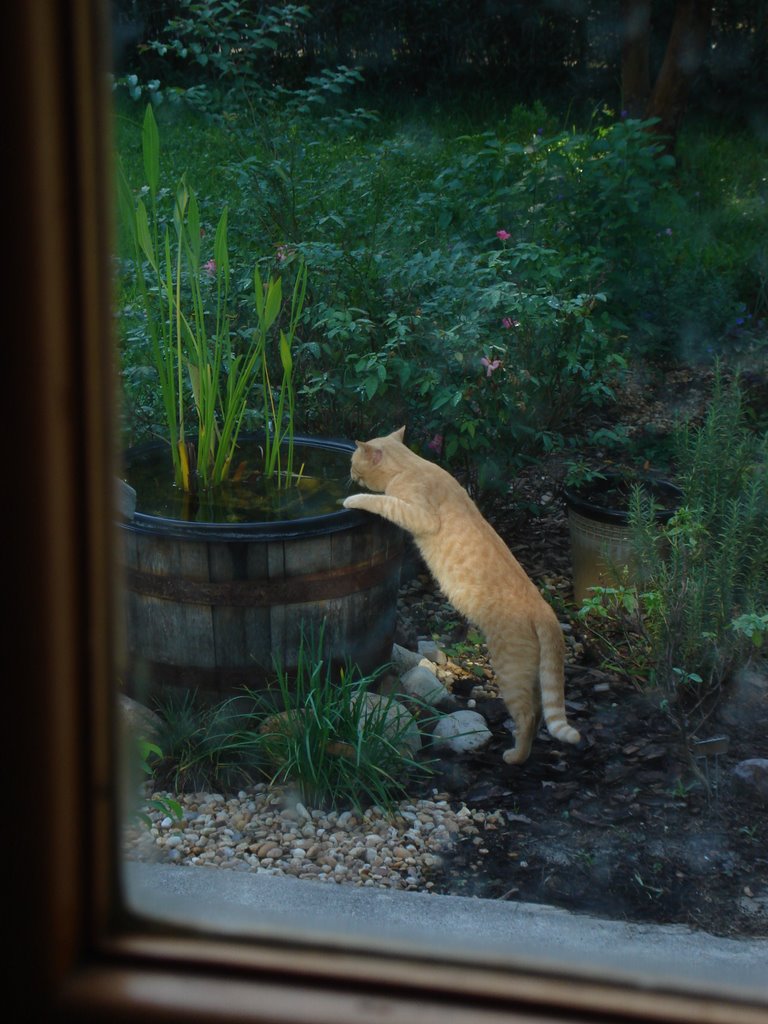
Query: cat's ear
373, 455
399, 434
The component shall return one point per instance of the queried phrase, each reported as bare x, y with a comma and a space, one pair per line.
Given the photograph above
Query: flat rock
399, 722
429, 649
422, 684
461, 732
137, 719
404, 660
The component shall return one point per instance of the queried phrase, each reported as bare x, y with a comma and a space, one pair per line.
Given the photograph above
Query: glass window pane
514, 712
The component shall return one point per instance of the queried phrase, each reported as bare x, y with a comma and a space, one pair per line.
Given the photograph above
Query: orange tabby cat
479, 576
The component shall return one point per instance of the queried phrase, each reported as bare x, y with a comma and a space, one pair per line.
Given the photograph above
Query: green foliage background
491, 347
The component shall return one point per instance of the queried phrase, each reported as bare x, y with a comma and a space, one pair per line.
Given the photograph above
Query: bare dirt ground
624, 827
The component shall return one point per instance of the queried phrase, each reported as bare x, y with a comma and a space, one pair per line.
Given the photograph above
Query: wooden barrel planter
598, 523
212, 606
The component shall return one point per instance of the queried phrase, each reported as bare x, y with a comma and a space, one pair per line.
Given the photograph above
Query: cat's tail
552, 683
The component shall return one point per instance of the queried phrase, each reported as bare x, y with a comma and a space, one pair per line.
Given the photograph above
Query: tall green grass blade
144, 236
192, 233
273, 302
286, 358
180, 207
150, 145
221, 251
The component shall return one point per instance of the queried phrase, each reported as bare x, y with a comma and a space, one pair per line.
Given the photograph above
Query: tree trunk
684, 53
635, 70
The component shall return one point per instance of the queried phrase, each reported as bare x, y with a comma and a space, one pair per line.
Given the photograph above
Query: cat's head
375, 462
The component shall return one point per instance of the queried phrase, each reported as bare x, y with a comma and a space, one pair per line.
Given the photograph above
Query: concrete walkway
484, 931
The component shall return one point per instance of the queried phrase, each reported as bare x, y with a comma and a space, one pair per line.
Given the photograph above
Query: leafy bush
495, 335
226, 59
209, 50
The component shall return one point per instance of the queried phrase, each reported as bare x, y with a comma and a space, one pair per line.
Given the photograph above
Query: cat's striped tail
552, 682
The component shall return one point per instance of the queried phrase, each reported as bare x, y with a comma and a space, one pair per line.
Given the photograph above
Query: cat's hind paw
514, 756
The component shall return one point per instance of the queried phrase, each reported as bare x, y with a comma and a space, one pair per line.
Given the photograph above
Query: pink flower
490, 366
280, 253
503, 235
509, 323
436, 444
210, 268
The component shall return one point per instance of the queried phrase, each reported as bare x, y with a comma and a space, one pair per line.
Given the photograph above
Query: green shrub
206, 746
323, 732
705, 593
482, 304
213, 50
336, 742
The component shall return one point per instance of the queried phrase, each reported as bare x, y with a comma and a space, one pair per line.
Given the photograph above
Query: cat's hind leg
526, 726
518, 688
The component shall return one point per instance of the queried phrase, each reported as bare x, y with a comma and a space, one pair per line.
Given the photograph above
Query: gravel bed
263, 829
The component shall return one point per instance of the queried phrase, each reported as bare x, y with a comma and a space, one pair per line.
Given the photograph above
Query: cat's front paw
354, 501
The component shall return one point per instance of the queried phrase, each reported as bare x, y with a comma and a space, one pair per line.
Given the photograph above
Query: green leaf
273, 303
285, 355
180, 206
442, 399
143, 233
150, 146
146, 748
193, 232
220, 251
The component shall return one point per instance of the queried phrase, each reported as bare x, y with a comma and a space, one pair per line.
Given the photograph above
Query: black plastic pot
598, 518
212, 606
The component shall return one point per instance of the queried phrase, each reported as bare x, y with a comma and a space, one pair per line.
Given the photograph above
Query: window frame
76, 955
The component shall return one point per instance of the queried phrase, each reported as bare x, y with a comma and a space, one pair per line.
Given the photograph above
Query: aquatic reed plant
187, 309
